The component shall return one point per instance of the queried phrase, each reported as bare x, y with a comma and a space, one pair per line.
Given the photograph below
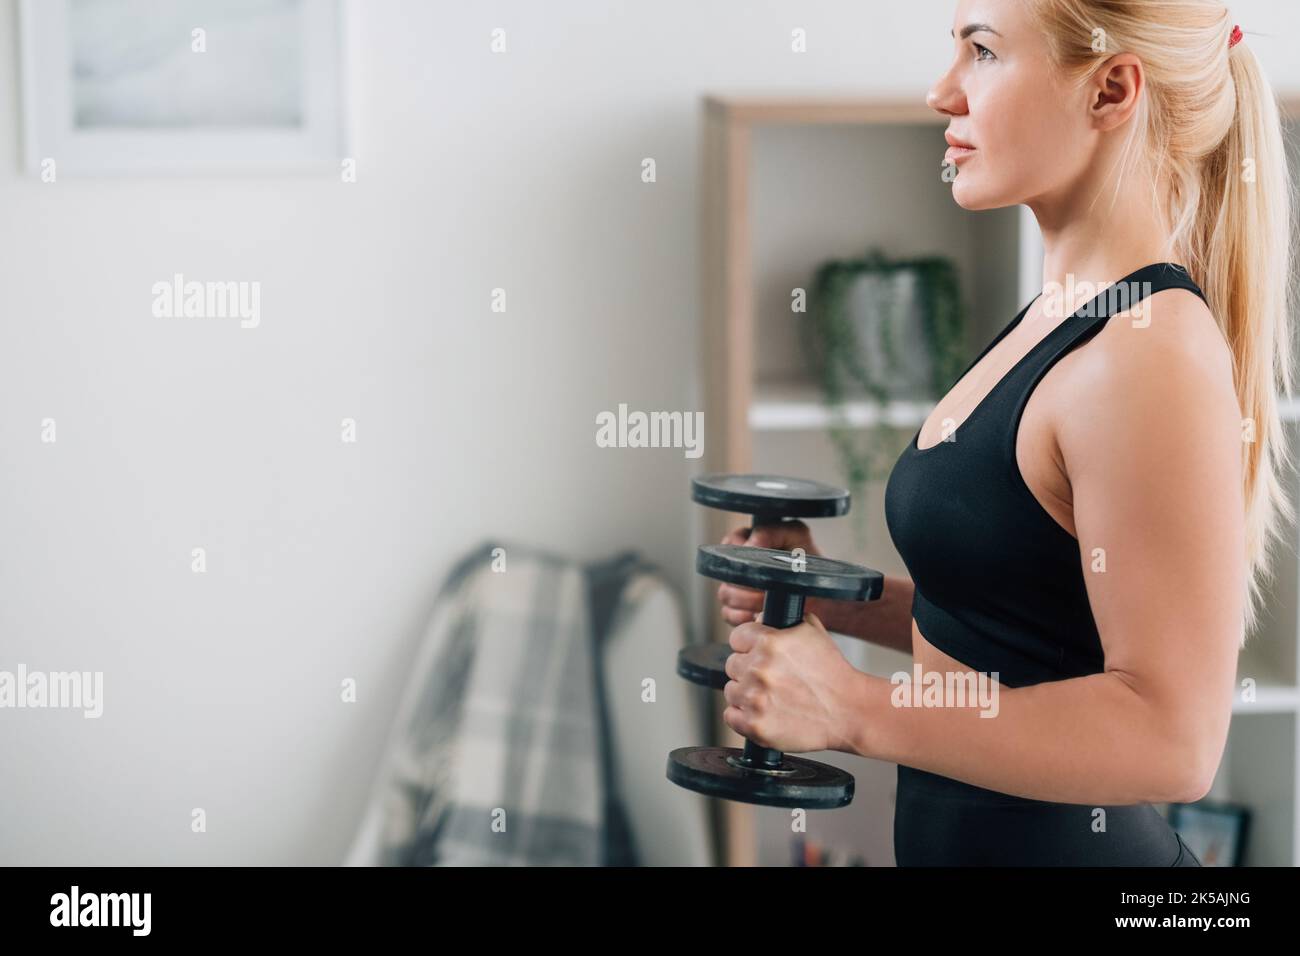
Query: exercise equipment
758, 774
768, 500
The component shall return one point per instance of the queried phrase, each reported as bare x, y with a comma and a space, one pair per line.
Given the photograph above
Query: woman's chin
969, 196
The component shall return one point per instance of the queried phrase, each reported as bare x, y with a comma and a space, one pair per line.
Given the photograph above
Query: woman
1086, 515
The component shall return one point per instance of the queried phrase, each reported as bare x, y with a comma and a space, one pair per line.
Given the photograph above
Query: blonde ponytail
1241, 259
1215, 155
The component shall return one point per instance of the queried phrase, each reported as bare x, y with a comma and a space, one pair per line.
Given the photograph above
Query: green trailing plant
867, 454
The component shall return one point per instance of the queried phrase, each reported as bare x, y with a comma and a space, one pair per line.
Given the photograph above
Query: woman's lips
958, 148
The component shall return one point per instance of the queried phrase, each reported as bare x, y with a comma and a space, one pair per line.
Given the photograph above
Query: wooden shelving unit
791, 182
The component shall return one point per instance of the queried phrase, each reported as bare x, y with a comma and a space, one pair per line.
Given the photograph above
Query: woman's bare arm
886, 621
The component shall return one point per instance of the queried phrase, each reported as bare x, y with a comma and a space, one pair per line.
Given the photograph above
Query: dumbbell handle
782, 610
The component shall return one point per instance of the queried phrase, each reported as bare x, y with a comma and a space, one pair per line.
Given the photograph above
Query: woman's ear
1114, 90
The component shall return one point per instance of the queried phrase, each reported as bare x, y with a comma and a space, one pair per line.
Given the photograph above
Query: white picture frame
315, 138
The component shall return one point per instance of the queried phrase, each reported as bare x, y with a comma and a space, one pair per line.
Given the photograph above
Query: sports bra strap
1130, 290
1114, 298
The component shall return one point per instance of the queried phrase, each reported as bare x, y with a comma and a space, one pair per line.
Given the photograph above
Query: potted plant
882, 330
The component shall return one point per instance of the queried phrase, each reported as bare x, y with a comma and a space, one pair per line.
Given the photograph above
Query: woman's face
1027, 131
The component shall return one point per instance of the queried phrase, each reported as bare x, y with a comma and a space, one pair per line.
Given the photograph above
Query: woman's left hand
791, 689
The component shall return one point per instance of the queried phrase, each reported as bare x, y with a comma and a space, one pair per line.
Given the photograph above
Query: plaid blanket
500, 752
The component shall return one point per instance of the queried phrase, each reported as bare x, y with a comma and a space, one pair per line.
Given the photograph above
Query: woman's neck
1095, 233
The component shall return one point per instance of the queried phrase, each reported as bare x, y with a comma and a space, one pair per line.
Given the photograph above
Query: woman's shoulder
1169, 332
1162, 364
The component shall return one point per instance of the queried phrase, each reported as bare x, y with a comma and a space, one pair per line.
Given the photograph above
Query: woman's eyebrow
970, 28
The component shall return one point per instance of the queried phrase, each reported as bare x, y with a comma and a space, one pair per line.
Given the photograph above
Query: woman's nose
945, 96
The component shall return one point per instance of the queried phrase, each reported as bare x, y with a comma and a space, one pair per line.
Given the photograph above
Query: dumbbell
758, 774
768, 500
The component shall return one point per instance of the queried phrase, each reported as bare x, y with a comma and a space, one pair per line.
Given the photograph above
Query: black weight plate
808, 784
773, 496
704, 664
769, 569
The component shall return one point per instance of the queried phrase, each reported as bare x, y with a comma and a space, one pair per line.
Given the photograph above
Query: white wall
476, 171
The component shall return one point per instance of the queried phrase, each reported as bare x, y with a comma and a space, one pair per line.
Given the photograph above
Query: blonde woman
1087, 516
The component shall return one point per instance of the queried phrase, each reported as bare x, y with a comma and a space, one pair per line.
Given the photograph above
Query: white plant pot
876, 298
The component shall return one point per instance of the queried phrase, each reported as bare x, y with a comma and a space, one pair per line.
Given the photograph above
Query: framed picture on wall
183, 86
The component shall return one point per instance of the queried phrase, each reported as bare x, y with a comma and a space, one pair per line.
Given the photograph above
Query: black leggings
939, 821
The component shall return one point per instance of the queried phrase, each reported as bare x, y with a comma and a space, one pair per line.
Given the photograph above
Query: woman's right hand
742, 605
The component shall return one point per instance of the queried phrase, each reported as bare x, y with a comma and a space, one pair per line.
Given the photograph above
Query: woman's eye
980, 50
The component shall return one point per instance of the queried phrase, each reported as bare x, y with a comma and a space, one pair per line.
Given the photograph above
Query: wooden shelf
1270, 700
821, 110
798, 406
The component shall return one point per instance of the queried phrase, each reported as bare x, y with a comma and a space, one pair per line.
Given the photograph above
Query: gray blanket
500, 752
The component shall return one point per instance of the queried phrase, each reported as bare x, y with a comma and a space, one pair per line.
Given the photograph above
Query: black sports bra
999, 584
